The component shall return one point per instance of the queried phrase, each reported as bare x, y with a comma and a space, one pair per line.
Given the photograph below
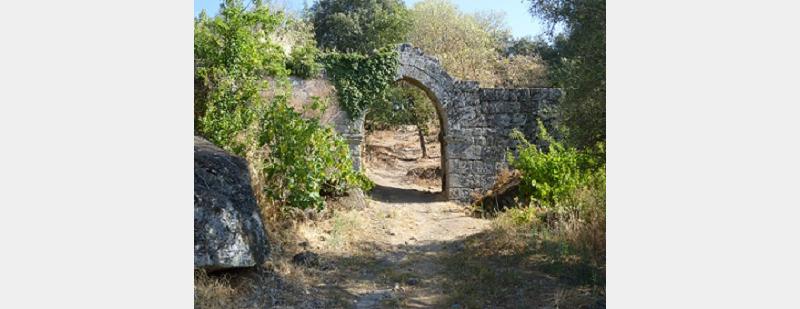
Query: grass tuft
212, 292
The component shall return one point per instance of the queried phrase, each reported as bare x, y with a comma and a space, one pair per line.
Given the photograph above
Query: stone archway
475, 122
426, 73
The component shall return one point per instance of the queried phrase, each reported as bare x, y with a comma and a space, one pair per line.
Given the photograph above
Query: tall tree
577, 58
472, 46
466, 44
232, 55
524, 46
359, 25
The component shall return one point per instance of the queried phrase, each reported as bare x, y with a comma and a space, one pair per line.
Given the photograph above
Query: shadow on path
459, 273
392, 195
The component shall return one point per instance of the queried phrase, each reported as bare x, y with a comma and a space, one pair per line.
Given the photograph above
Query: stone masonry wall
475, 122
480, 133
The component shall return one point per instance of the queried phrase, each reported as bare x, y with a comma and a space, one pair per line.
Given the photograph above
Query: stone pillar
352, 130
354, 141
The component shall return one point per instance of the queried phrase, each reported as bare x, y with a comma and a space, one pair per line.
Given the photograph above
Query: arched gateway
475, 122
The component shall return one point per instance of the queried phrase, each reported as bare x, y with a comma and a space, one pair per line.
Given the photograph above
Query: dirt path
424, 228
389, 254
407, 248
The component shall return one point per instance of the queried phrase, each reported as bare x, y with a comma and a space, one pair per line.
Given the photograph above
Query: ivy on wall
361, 80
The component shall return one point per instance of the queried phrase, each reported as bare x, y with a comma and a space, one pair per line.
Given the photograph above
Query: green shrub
552, 177
233, 59
566, 188
305, 159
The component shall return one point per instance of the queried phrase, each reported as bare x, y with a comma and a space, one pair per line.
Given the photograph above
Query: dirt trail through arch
390, 253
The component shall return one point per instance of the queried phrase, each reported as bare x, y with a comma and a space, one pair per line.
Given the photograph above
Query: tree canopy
359, 25
471, 46
577, 58
467, 45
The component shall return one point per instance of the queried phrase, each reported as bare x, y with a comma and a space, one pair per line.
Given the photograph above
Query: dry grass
280, 231
342, 228
212, 292
510, 267
587, 233
533, 257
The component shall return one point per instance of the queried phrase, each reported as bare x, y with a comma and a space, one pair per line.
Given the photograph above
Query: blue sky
518, 19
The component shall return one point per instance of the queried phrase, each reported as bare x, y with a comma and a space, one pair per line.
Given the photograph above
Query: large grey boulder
228, 231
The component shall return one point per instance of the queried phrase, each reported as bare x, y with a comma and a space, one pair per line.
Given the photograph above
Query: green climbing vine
361, 80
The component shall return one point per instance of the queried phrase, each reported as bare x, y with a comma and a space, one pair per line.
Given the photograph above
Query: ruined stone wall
480, 127
475, 122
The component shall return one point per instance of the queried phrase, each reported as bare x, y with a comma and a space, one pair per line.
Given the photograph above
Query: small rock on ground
306, 258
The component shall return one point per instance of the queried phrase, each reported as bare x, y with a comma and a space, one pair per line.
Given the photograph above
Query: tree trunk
422, 142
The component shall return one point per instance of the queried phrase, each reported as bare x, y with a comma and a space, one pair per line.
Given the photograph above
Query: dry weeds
533, 257
211, 292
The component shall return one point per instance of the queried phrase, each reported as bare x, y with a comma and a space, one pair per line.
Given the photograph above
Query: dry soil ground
408, 248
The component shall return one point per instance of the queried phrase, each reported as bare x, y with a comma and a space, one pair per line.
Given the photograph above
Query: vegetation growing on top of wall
360, 79
296, 160
296, 36
303, 61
